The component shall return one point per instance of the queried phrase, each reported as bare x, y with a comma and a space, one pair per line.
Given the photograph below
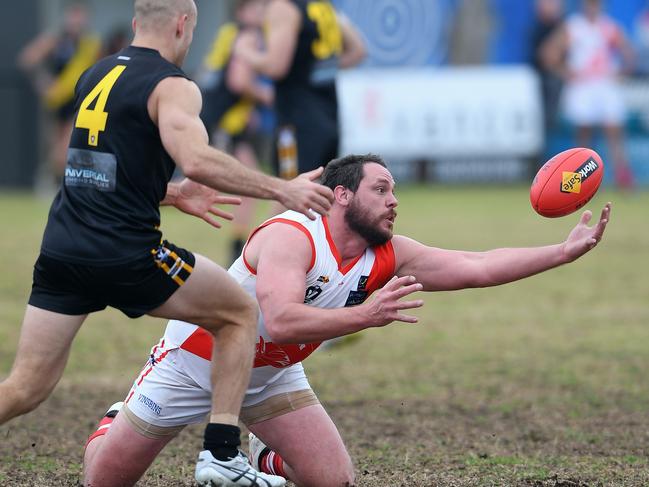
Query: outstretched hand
199, 200
303, 194
583, 238
386, 306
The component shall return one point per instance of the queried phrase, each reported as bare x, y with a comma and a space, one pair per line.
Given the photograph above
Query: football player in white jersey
590, 52
311, 280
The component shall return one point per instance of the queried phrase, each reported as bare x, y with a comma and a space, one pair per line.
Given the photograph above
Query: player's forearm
501, 266
300, 323
222, 172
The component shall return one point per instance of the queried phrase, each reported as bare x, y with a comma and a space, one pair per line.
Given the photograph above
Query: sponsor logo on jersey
91, 169
571, 181
86, 174
362, 283
356, 297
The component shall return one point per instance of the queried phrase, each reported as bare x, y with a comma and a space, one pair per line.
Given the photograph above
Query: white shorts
166, 394
593, 102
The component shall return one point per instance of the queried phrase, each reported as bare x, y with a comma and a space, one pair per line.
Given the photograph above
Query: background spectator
54, 61
590, 51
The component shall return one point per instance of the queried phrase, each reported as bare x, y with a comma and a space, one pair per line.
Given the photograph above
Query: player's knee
246, 313
242, 313
346, 478
244, 321
342, 476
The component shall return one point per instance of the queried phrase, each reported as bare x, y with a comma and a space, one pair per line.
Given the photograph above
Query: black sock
222, 440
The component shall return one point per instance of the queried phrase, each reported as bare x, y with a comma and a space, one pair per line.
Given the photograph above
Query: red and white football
566, 182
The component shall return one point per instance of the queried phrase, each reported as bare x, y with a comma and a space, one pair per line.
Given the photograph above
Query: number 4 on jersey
94, 119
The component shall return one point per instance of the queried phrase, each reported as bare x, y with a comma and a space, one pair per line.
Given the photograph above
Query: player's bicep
283, 261
176, 111
436, 269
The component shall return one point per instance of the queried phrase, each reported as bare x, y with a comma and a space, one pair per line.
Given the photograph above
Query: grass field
537, 383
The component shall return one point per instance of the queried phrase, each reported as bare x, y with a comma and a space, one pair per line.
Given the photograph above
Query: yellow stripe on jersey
221, 49
62, 90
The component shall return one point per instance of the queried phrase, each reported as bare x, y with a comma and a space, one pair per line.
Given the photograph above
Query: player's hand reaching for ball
303, 194
583, 238
386, 306
199, 200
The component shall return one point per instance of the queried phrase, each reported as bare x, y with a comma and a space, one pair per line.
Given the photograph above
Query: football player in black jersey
233, 97
137, 115
306, 42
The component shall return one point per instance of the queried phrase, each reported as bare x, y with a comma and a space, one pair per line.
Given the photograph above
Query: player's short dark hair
348, 171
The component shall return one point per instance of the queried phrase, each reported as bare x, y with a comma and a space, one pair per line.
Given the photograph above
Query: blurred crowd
580, 52
53, 62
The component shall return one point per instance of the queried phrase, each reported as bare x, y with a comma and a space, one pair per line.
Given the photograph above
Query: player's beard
358, 218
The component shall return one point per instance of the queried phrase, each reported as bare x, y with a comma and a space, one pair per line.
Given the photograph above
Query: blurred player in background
590, 52
549, 16
54, 62
232, 90
136, 117
328, 268
306, 42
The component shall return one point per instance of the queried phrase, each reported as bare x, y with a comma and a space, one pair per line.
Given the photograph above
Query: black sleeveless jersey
107, 210
307, 94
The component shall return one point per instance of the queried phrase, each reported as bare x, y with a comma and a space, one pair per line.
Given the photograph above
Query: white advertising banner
441, 113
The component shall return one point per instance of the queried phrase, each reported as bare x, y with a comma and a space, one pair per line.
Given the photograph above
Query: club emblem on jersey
323, 279
312, 292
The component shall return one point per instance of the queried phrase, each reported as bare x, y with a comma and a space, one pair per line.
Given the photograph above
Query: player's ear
342, 195
181, 25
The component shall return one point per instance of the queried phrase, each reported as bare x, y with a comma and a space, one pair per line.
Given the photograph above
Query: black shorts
135, 288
